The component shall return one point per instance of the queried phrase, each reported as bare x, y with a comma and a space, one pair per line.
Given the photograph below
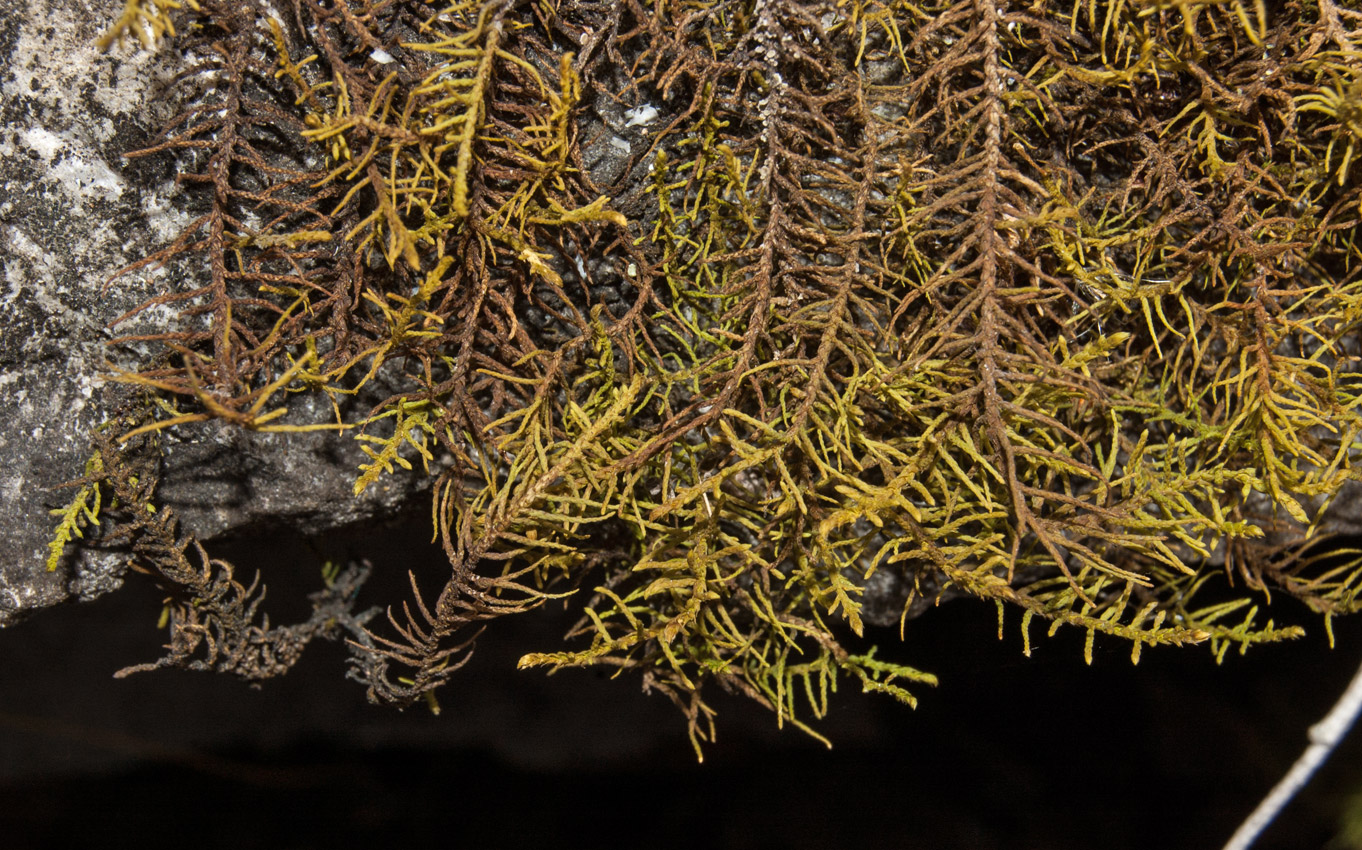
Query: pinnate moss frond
80, 513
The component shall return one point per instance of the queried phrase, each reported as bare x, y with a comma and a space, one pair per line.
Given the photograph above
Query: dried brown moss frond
214, 621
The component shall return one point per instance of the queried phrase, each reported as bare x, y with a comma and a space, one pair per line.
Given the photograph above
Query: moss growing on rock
751, 322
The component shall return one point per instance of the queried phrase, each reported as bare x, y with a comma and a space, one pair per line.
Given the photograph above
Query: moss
1050, 305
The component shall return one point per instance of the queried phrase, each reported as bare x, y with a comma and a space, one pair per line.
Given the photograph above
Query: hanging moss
1052, 305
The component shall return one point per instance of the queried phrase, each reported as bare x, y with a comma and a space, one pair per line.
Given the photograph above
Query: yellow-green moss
1053, 305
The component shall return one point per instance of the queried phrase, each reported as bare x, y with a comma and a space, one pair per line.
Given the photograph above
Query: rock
74, 211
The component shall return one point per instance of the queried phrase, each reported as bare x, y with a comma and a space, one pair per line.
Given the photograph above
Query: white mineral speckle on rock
87, 177
641, 116
46, 143
164, 217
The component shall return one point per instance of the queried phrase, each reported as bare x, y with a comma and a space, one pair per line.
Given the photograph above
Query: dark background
1008, 752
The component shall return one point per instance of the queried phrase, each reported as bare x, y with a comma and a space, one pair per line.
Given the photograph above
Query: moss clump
1053, 305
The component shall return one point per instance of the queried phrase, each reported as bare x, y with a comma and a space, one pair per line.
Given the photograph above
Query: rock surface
73, 211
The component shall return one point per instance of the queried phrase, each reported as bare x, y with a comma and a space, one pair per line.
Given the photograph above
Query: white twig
1324, 737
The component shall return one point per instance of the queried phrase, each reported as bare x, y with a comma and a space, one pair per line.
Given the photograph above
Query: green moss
80, 513
1052, 305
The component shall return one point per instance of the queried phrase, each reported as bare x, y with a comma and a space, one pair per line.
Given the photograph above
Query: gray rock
73, 211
